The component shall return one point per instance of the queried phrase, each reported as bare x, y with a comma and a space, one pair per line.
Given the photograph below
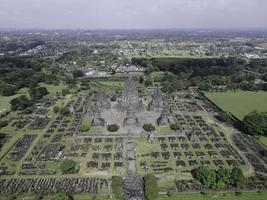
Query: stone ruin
102, 101
129, 97
131, 119
164, 118
133, 187
97, 119
156, 102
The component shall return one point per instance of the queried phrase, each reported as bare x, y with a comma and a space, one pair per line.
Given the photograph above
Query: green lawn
225, 196
263, 140
239, 103
53, 89
4, 100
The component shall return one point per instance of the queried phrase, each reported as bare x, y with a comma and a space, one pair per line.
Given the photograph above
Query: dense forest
209, 73
19, 72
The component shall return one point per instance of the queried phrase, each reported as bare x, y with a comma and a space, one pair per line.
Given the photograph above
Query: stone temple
102, 101
129, 99
156, 102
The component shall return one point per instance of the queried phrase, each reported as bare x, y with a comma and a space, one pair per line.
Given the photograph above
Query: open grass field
53, 89
263, 140
4, 100
239, 103
224, 196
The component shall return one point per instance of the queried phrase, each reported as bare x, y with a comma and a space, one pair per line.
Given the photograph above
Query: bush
217, 180
174, 127
148, 127
113, 98
64, 111
20, 103
116, 186
151, 187
67, 166
3, 124
56, 109
85, 125
113, 127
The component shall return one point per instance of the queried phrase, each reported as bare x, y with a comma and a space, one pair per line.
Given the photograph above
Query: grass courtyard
239, 103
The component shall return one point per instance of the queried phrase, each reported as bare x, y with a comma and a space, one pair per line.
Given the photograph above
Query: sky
133, 14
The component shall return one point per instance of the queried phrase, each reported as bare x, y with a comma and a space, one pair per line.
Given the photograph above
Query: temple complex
97, 119
102, 101
164, 118
156, 102
131, 119
129, 98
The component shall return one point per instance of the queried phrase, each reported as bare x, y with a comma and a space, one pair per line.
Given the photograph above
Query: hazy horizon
134, 15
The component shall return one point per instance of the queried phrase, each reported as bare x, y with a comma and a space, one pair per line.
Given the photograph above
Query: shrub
113, 127
67, 166
116, 186
148, 127
151, 187
56, 109
174, 127
84, 127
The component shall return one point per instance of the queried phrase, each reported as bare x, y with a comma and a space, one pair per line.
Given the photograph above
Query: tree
116, 186
148, 127
64, 111
67, 166
113, 127
150, 187
7, 89
56, 109
174, 126
205, 176
237, 177
38, 93
77, 73
141, 79
65, 91
20, 103
256, 123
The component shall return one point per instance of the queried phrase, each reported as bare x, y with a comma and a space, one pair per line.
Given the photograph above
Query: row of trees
218, 179
256, 123
203, 72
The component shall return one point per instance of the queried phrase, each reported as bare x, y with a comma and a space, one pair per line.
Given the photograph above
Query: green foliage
113, 127
117, 187
217, 180
7, 89
174, 126
38, 93
148, 127
65, 91
256, 123
20, 103
205, 175
85, 124
19, 72
237, 177
77, 73
64, 111
151, 187
113, 98
67, 166
3, 123
56, 109
62, 196
37, 197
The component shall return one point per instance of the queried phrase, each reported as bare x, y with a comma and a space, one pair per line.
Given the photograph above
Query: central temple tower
129, 98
